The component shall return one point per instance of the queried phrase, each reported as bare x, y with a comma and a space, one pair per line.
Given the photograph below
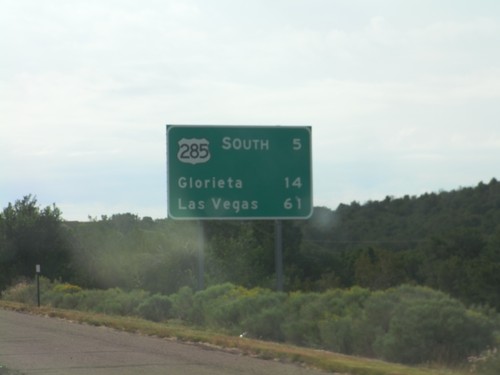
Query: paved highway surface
33, 344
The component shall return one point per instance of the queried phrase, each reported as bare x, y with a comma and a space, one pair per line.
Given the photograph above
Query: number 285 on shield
193, 150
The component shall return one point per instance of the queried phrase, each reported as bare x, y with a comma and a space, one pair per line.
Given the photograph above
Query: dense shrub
67, 288
426, 325
405, 324
205, 302
182, 304
118, 302
336, 334
22, 291
327, 320
262, 312
487, 363
237, 309
156, 308
300, 325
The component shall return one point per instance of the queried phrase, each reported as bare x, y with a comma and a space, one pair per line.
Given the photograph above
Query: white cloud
399, 96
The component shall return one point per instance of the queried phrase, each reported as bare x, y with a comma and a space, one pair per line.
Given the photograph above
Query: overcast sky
403, 96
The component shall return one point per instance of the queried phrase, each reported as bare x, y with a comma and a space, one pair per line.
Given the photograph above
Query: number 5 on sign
297, 144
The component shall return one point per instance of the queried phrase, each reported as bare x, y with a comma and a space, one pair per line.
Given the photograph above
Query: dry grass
333, 362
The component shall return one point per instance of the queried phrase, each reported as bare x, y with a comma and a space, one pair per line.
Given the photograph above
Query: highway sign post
239, 172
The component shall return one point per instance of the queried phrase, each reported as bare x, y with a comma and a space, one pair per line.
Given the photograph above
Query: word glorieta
209, 183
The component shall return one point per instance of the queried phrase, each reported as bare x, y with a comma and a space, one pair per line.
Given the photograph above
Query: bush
404, 324
182, 304
71, 301
487, 363
257, 311
65, 296
156, 308
92, 299
300, 325
204, 301
66, 288
118, 302
113, 301
23, 292
262, 313
337, 334
325, 320
265, 324
430, 326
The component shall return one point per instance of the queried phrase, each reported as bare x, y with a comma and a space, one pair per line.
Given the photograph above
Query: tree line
449, 241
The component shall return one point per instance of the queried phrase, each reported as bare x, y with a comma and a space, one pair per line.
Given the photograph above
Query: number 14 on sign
293, 182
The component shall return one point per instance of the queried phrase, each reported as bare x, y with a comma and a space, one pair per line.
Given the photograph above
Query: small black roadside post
38, 284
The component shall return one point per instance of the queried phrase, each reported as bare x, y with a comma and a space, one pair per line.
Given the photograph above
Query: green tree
32, 235
379, 269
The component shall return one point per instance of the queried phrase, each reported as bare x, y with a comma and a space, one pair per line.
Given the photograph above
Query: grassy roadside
329, 361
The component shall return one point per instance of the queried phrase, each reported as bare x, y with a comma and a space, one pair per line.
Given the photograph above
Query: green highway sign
239, 172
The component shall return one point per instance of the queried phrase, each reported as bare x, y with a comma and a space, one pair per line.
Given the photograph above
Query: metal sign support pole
278, 242
201, 255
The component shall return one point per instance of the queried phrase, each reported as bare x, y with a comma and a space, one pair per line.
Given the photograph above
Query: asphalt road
33, 344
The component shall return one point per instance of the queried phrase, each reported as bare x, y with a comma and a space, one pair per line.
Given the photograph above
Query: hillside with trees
449, 241
412, 279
